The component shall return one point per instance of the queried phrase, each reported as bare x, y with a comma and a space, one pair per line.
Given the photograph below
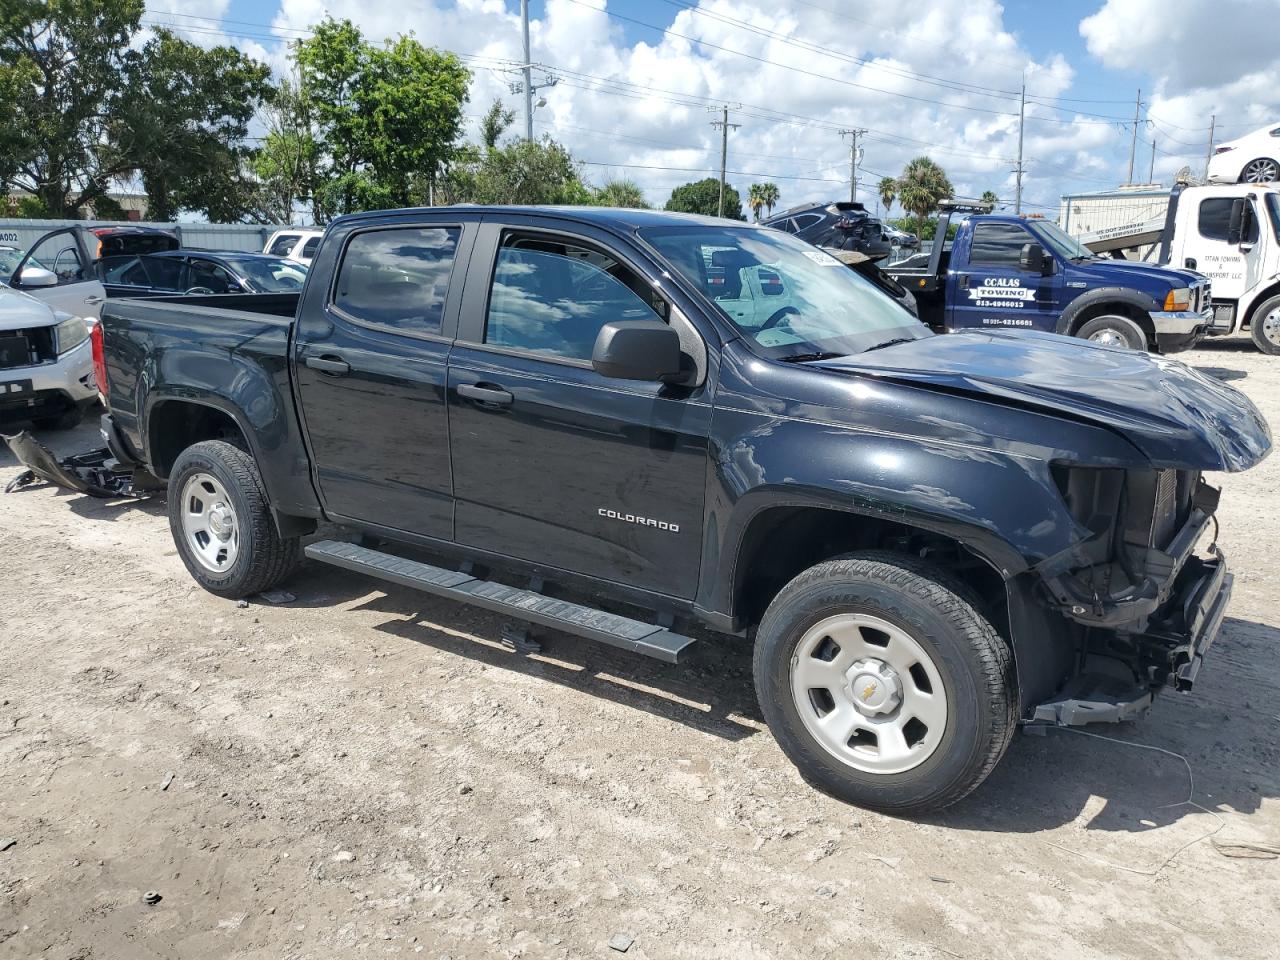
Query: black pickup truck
922, 540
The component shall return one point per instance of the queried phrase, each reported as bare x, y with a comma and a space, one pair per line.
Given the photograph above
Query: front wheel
1265, 326
222, 524
1114, 330
883, 684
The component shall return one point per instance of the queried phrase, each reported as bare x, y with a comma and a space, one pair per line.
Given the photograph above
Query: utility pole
1213, 123
1133, 145
853, 135
1022, 122
723, 124
528, 71
1151, 177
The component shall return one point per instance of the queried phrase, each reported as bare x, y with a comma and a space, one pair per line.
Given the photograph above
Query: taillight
99, 357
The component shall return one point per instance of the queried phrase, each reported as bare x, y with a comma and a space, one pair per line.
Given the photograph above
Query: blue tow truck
1025, 273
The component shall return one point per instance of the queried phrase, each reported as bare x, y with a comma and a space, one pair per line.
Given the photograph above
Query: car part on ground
97, 473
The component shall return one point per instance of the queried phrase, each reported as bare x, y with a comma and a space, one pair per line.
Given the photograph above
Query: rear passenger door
370, 353
554, 463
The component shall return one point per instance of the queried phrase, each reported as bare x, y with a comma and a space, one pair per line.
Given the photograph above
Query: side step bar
617, 631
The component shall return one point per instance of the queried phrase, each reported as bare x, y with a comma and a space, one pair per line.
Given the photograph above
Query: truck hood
20, 312
1127, 271
1177, 416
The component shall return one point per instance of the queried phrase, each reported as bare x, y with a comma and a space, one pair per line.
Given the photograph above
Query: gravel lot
366, 772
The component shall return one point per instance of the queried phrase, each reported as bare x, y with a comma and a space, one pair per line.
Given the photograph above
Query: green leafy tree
922, 186
387, 119
284, 166
62, 76
621, 193
755, 200
989, 197
769, 194
496, 121
183, 118
703, 196
525, 172
888, 190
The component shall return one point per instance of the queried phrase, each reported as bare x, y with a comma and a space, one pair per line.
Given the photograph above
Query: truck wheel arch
1256, 300
1043, 643
1133, 304
175, 423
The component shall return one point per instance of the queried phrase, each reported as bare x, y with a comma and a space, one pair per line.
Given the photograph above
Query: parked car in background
46, 364
900, 238
299, 245
1253, 158
200, 271
843, 225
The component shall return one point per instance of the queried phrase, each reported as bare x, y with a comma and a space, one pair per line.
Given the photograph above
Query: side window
310, 247
397, 278
1214, 220
123, 271
282, 244
61, 254
552, 296
807, 220
207, 275
998, 244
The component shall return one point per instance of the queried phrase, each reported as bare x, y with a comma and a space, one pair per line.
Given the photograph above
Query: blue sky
822, 65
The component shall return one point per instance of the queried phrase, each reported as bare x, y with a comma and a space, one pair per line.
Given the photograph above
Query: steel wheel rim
1109, 338
1261, 171
209, 523
1271, 326
868, 693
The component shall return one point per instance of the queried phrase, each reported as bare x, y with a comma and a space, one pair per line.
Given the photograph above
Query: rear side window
552, 296
282, 244
398, 278
310, 247
998, 244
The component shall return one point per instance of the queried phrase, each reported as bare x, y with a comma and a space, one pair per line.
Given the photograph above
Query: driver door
61, 274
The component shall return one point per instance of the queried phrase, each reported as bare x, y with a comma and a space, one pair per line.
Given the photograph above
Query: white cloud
1206, 59
653, 112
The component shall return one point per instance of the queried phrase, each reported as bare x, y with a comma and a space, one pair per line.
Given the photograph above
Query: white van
297, 244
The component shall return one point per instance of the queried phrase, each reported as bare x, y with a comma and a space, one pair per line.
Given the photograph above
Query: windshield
1061, 242
271, 276
787, 298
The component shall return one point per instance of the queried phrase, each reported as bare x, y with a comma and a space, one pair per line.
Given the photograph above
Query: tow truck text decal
1000, 293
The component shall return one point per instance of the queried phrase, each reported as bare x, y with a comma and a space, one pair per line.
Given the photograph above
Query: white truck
1230, 233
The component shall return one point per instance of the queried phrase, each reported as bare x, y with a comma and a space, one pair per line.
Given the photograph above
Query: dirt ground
364, 771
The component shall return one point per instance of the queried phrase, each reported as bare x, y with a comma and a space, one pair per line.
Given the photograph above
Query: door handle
329, 365
492, 396
94, 300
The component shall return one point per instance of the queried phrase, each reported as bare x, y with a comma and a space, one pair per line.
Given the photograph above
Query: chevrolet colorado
922, 540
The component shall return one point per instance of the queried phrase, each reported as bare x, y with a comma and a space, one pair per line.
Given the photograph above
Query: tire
241, 552
65, 421
920, 612
1265, 326
1113, 330
1262, 170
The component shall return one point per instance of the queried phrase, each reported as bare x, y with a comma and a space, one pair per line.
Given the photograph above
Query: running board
635, 635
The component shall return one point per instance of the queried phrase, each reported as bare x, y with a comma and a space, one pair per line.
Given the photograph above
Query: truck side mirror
1033, 259
637, 350
1240, 227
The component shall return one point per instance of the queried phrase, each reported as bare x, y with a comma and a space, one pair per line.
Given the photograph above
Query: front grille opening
27, 347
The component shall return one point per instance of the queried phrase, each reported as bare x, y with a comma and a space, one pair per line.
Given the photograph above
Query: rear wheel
1265, 326
1262, 170
883, 684
1113, 330
222, 524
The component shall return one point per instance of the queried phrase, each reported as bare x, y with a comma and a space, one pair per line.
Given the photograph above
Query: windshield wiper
808, 357
890, 343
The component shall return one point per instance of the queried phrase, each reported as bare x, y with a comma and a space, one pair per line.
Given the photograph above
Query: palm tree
621, 193
989, 197
755, 199
888, 192
922, 186
769, 195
